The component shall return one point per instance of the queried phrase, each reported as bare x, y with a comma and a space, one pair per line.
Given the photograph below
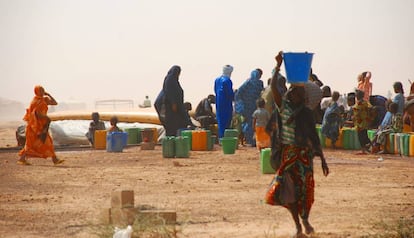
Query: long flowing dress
246, 95
174, 94
293, 183
223, 88
35, 146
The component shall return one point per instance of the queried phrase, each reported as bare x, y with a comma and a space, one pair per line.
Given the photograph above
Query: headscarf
171, 87
227, 70
255, 74
38, 90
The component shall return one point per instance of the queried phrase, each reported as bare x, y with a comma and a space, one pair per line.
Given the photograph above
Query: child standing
236, 123
260, 118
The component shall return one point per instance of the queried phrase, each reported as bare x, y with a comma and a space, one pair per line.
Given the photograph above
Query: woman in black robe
175, 114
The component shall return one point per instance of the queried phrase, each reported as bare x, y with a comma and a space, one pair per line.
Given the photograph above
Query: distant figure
96, 124
204, 112
399, 97
146, 103
349, 114
188, 108
38, 141
362, 120
236, 123
223, 88
260, 119
246, 95
392, 123
314, 78
114, 126
267, 96
365, 85
172, 97
332, 120
380, 104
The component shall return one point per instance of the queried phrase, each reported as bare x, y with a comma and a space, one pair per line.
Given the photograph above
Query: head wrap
174, 72
399, 86
227, 70
313, 95
38, 90
255, 74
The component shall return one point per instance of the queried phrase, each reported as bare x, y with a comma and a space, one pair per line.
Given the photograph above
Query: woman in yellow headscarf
38, 141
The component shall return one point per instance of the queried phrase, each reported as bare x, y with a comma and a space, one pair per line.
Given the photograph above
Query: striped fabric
288, 130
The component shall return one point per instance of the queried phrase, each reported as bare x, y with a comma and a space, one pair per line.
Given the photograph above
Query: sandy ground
214, 195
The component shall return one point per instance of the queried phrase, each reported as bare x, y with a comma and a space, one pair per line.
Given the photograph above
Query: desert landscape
213, 194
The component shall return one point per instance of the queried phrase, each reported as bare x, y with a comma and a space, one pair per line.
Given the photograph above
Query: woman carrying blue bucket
293, 184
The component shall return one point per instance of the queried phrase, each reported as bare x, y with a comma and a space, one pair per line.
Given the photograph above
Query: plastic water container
134, 135
321, 136
357, 144
328, 142
231, 133
405, 144
182, 147
346, 134
116, 141
371, 134
210, 140
391, 148
100, 139
147, 135
168, 147
199, 140
229, 144
397, 143
265, 166
188, 133
411, 145
297, 66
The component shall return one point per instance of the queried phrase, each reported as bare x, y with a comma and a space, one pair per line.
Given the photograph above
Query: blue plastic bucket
297, 66
116, 141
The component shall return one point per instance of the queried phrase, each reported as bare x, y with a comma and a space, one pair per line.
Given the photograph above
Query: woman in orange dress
38, 141
365, 85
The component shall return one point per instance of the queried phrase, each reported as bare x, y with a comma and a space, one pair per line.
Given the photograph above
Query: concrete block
105, 216
158, 217
122, 199
147, 146
123, 216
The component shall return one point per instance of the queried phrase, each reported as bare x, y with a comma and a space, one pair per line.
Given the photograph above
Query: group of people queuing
274, 116
364, 111
242, 109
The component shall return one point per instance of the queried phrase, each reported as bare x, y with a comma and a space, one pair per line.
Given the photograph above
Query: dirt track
215, 195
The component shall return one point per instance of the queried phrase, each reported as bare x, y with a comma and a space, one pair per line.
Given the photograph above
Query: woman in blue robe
247, 95
332, 120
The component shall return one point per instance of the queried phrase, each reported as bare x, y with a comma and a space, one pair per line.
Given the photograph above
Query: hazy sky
87, 50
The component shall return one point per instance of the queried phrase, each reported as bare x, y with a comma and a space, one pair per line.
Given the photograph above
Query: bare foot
57, 161
308, 227
298, 233
23, 162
